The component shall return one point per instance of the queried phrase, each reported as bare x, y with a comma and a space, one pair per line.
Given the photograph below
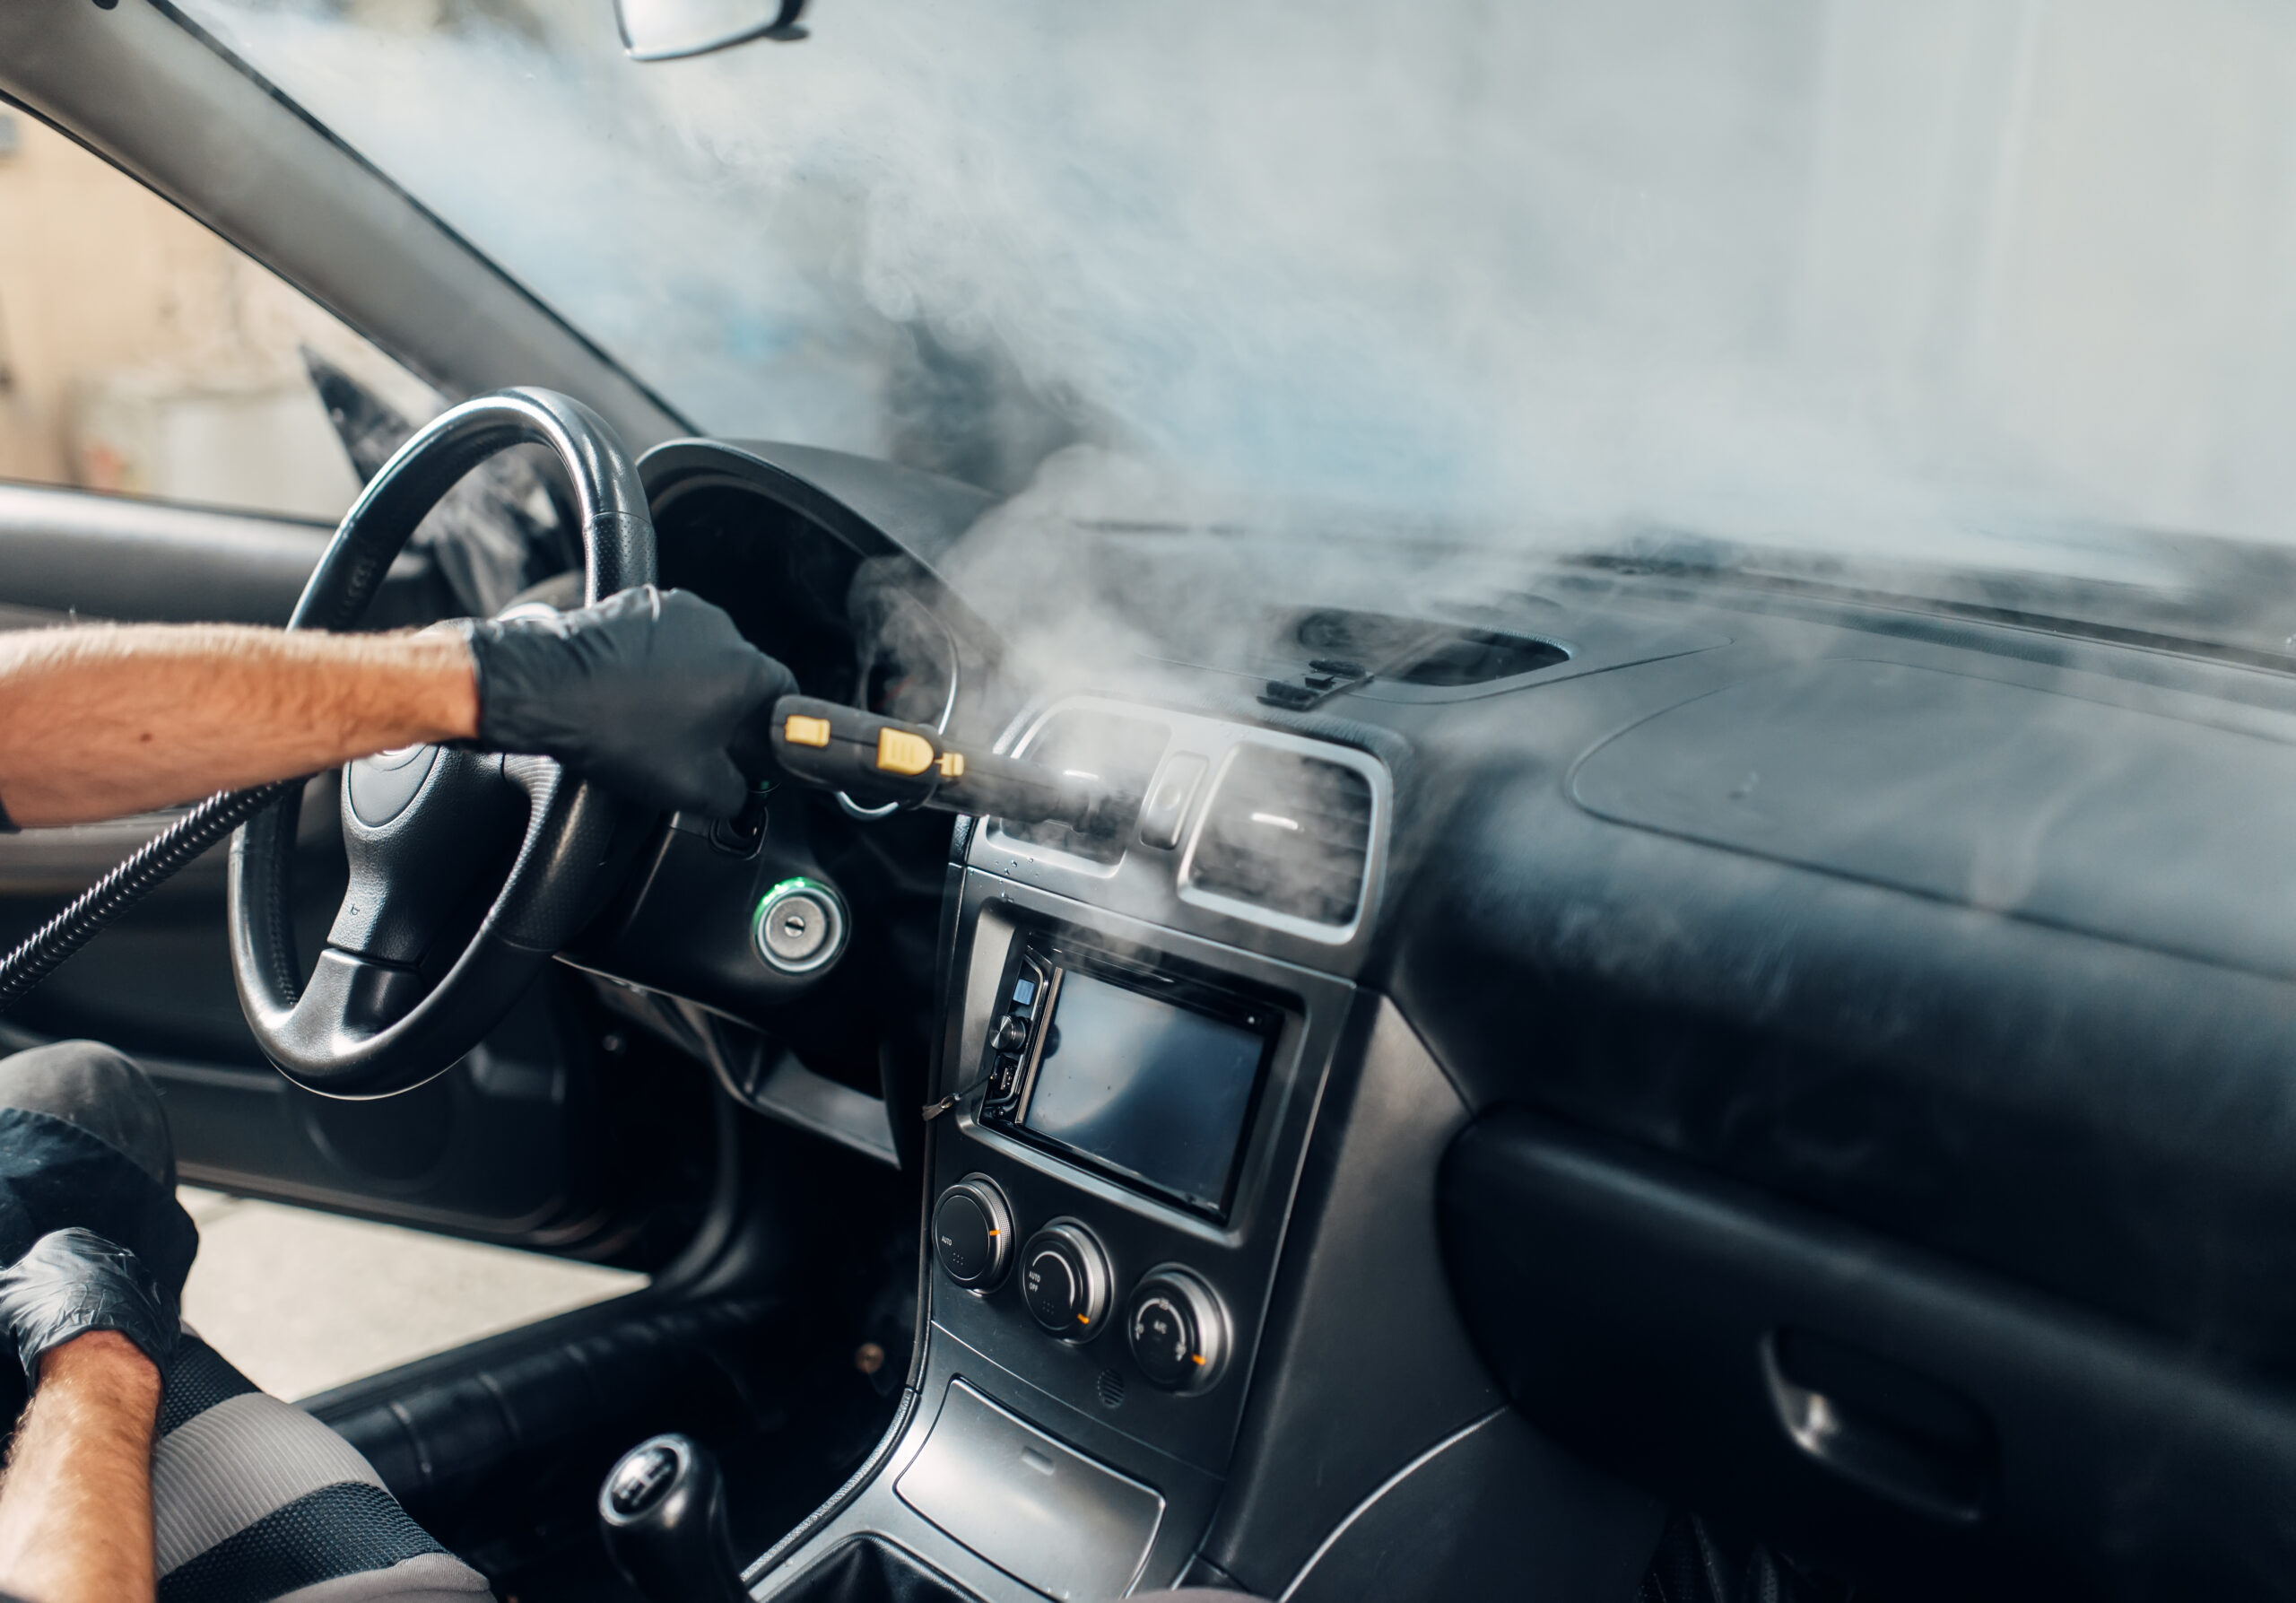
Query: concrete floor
302, 1300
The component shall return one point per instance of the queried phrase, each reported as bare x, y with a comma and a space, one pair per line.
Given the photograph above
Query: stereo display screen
1155, 1090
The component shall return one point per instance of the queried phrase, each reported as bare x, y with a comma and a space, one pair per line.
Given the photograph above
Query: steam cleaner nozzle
874, 759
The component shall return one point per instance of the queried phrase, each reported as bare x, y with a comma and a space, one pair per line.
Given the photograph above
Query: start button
800, 926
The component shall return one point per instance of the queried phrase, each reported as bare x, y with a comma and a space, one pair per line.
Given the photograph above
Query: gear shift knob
661, 1512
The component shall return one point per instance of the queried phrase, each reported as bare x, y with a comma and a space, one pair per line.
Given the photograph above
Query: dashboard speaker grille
1287, 832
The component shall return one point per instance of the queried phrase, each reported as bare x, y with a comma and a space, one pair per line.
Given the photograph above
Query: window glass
1914, 278
140, 354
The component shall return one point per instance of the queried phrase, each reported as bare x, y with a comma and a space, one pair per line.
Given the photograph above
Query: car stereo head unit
1144, 1074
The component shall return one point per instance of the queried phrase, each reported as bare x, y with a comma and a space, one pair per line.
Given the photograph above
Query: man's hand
643, 692
73, 1280
94, 1335
104, 721
75, 1510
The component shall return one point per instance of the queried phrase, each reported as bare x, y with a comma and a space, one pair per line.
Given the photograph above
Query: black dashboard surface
1973, 935
2029, 1081
2044, 804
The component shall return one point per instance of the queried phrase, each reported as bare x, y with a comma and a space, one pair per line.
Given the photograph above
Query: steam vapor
1833, 272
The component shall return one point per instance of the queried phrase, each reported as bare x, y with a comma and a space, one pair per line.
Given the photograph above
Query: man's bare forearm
101, 722
76, 1510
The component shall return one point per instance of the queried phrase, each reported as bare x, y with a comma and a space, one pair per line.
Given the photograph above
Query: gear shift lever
661, 1512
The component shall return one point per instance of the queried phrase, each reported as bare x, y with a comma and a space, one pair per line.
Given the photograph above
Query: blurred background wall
140, 353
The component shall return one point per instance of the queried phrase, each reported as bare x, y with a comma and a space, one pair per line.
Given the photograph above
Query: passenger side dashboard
1843, 1048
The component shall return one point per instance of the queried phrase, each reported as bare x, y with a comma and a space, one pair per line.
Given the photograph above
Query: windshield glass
1911, 277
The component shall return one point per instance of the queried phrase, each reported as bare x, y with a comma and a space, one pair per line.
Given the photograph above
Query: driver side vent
1286, 833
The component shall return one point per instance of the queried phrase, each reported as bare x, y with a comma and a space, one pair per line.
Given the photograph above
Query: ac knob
1177, 1330
1066, 1280
972, 1233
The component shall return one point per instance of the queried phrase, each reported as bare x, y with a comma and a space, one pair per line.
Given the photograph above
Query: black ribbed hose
142, 873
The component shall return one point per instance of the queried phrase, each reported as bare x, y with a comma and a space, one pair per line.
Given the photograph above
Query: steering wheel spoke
467, 870
350, 999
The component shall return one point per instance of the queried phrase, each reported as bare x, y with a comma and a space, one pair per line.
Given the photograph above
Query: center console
1134, 1043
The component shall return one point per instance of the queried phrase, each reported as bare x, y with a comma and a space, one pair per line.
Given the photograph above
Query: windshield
1909, 278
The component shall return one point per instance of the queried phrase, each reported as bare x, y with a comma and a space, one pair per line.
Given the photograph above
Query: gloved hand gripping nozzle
656, 694
644, 692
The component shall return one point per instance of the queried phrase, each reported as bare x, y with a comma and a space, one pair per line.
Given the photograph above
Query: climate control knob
1177, 1330
972, 1233
1065, 1281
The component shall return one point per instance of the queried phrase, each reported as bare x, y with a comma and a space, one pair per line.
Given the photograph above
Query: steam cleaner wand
876, 759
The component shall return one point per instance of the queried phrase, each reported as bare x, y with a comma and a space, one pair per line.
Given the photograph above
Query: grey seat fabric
1197, 1594
253, 1500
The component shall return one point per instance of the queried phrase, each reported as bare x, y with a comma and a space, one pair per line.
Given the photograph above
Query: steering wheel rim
369, 1021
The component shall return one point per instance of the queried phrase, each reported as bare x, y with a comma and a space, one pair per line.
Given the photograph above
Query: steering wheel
422, 960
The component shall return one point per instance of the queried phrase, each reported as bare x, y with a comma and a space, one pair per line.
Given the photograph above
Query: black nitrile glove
73, 1280
642, 693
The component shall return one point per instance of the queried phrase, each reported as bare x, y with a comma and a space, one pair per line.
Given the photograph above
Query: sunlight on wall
140, 353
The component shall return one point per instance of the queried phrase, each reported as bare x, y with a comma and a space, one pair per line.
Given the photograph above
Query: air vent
1122, 750
1478, 657
1286, 833
1345, 650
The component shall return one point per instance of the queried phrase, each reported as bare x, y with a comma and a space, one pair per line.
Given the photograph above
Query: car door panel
76, 554
1860, 1400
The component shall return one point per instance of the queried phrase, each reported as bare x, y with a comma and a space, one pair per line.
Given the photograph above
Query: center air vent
1121, 751
1286, 833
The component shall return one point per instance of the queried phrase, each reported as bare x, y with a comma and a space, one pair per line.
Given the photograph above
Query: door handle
1882, 1425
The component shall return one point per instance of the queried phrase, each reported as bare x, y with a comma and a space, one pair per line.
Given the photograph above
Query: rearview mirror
665, 30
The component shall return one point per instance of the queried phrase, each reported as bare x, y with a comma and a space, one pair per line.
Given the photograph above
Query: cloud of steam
1825, 270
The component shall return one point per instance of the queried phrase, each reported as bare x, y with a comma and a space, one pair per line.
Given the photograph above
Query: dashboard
1576, 1042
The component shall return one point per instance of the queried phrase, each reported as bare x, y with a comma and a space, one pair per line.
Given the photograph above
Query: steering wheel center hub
376, 789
